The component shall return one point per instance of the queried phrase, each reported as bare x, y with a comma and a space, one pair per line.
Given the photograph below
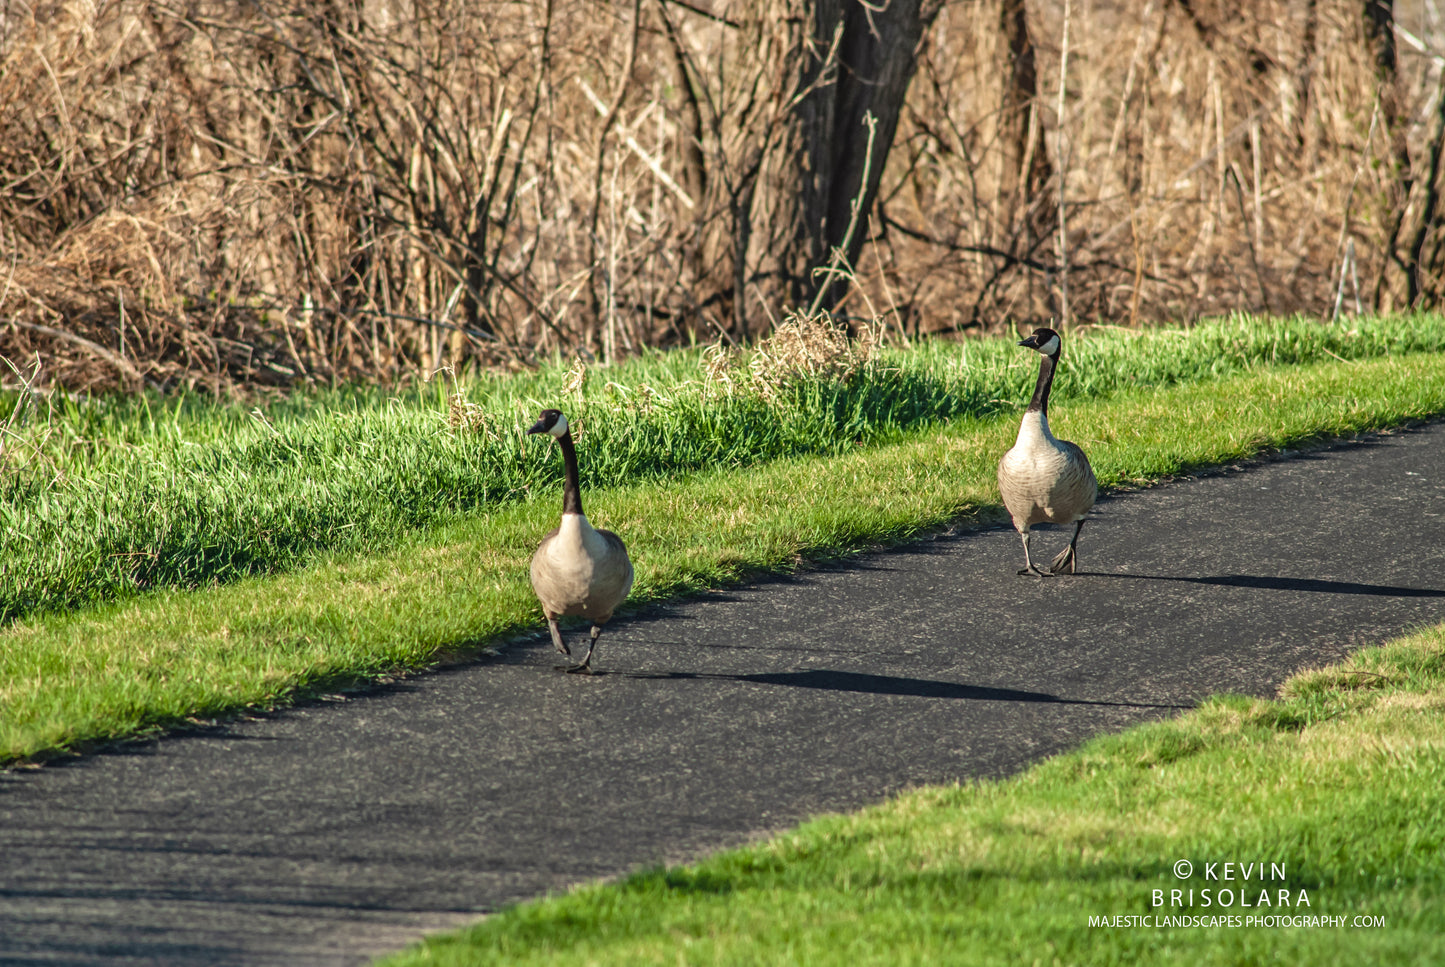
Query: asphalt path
341, 829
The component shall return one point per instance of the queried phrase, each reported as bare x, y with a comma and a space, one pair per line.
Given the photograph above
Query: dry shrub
203, 193
279, 191
1217, 156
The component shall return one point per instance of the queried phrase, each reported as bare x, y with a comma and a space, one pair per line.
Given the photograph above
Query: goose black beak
539, 427
1032, 342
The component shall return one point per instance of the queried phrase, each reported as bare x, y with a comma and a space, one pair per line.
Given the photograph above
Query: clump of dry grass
467, 417
576, 377
807, 347
719, 364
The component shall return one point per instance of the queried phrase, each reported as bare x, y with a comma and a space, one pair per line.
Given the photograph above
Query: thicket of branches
204, 192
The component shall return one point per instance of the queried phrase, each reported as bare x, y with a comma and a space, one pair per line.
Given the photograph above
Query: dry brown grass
1215, 165
276, 191
810, 348
204, 193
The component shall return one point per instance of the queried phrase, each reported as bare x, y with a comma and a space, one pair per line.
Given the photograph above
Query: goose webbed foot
1067, 561
1034, 570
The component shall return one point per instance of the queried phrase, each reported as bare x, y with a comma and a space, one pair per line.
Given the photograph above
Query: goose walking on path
1043, 479
578, 570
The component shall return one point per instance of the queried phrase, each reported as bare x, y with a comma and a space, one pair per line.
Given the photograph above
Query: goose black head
552, 423
1045, 341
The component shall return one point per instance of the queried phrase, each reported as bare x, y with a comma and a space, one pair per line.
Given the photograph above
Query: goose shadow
867, 684
1274, 583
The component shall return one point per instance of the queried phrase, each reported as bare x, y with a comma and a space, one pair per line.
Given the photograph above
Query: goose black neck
1040, 402
571, 491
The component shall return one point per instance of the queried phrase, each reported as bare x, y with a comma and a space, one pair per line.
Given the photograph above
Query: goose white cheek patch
1050, 347
559, 429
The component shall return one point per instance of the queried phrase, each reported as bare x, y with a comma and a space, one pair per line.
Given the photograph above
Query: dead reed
203, 194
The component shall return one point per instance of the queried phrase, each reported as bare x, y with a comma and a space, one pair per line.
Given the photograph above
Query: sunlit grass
102, 499
153, 660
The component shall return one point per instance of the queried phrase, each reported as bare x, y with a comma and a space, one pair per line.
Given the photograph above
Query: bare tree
790, 142
1025, 164
1378, 18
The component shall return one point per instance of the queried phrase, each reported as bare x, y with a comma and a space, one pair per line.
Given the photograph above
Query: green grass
103, 499
358, 534
1340, 783
67, 679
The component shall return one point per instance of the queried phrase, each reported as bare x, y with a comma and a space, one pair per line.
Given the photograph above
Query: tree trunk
1425, 262
1026, 167
1305, 135
775, 98
1379, 24
849, 60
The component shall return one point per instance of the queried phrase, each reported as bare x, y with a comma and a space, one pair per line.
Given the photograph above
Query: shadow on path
835, 681
1283, 584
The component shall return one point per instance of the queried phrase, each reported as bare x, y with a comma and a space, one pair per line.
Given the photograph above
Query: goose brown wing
1078, 479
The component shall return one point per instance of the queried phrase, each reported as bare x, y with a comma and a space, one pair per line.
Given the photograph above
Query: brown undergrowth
206, 194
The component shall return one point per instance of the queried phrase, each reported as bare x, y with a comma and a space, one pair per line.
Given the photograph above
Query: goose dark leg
585, 666
1067, 561
1029, 566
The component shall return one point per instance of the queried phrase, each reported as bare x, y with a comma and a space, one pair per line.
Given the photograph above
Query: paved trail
329, 833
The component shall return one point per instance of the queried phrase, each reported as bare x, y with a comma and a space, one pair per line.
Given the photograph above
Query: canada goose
578, 570
1043, 479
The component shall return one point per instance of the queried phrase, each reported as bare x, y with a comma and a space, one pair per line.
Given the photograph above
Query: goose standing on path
578, 570
1043, 479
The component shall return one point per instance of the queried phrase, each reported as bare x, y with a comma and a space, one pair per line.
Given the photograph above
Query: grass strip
156, 660
106, 498
1333, 796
